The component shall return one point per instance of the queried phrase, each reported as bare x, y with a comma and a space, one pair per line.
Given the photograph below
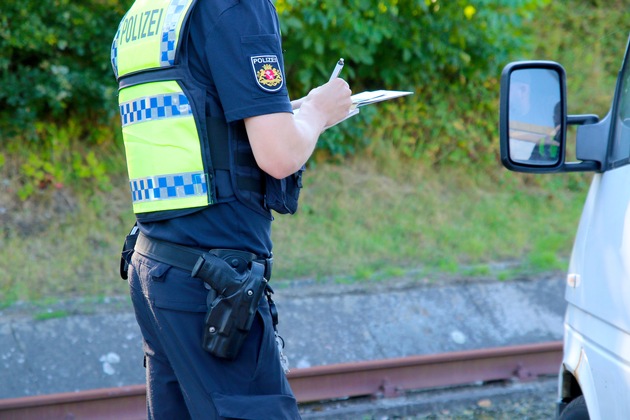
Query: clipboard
373, 96
367, 98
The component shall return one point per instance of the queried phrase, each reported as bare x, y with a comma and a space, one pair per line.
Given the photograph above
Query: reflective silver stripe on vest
156, 107
167, 50
166, 187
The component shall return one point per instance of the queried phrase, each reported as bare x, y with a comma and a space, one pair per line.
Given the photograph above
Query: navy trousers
183, 380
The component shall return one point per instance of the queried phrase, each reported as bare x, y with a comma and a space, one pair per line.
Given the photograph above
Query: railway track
382, 378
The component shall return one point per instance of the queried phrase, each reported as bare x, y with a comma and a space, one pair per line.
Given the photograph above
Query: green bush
56, 62
448, 52
400, 44
593, 62
440, 128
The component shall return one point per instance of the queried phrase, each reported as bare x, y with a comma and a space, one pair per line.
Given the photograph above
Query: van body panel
597, 320
601, 254
597, 355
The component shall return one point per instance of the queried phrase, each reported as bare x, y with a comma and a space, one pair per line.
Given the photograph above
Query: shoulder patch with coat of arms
267, 72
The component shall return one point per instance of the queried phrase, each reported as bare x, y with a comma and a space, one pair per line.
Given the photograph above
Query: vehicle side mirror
533, 116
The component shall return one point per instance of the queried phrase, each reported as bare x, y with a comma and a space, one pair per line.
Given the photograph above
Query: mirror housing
533, 120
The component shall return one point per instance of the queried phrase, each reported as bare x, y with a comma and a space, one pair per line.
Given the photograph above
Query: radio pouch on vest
232, 305
282, 194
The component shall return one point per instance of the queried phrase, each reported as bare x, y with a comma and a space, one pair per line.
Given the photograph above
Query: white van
594, 380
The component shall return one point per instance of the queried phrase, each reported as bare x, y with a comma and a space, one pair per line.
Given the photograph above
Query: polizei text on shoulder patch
267, 72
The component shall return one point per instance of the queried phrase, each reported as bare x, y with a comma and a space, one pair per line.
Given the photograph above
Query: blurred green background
412, 187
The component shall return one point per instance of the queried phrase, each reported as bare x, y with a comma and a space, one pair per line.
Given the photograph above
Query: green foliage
402, 44
440, 128
60, 159
38, 173
58, 113
449, 53
593, 62
43, 316
438, 49
56, 62
444, 51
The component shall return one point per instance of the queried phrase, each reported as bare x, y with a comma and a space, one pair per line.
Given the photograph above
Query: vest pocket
282, 195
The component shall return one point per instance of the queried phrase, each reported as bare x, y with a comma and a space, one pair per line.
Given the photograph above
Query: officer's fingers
339, 86
314, 91
338, 81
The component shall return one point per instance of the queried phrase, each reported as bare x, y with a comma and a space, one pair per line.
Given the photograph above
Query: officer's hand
282, 142
332, 100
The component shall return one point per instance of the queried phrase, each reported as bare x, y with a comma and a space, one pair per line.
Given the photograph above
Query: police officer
212, 145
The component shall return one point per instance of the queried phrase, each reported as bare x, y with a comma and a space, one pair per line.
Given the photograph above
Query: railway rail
382, 378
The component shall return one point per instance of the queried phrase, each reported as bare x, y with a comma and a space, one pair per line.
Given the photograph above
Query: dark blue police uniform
183, 380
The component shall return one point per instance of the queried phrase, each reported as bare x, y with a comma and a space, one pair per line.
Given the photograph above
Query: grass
355, 219
360, 221
71, 251
43, 316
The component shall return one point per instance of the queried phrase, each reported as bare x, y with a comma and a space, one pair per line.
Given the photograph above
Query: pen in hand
337, 70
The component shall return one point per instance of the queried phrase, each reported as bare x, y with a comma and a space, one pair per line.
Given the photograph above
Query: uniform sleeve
244, 55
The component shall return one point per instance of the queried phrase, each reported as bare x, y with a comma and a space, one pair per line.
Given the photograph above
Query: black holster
127, 251
232, 303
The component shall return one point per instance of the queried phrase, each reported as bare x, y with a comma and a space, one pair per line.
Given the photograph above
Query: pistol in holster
232, 303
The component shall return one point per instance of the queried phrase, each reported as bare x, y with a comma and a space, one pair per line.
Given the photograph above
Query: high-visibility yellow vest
178, 160
167, 167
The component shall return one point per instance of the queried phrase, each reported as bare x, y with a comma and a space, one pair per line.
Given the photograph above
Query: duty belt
185, 257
